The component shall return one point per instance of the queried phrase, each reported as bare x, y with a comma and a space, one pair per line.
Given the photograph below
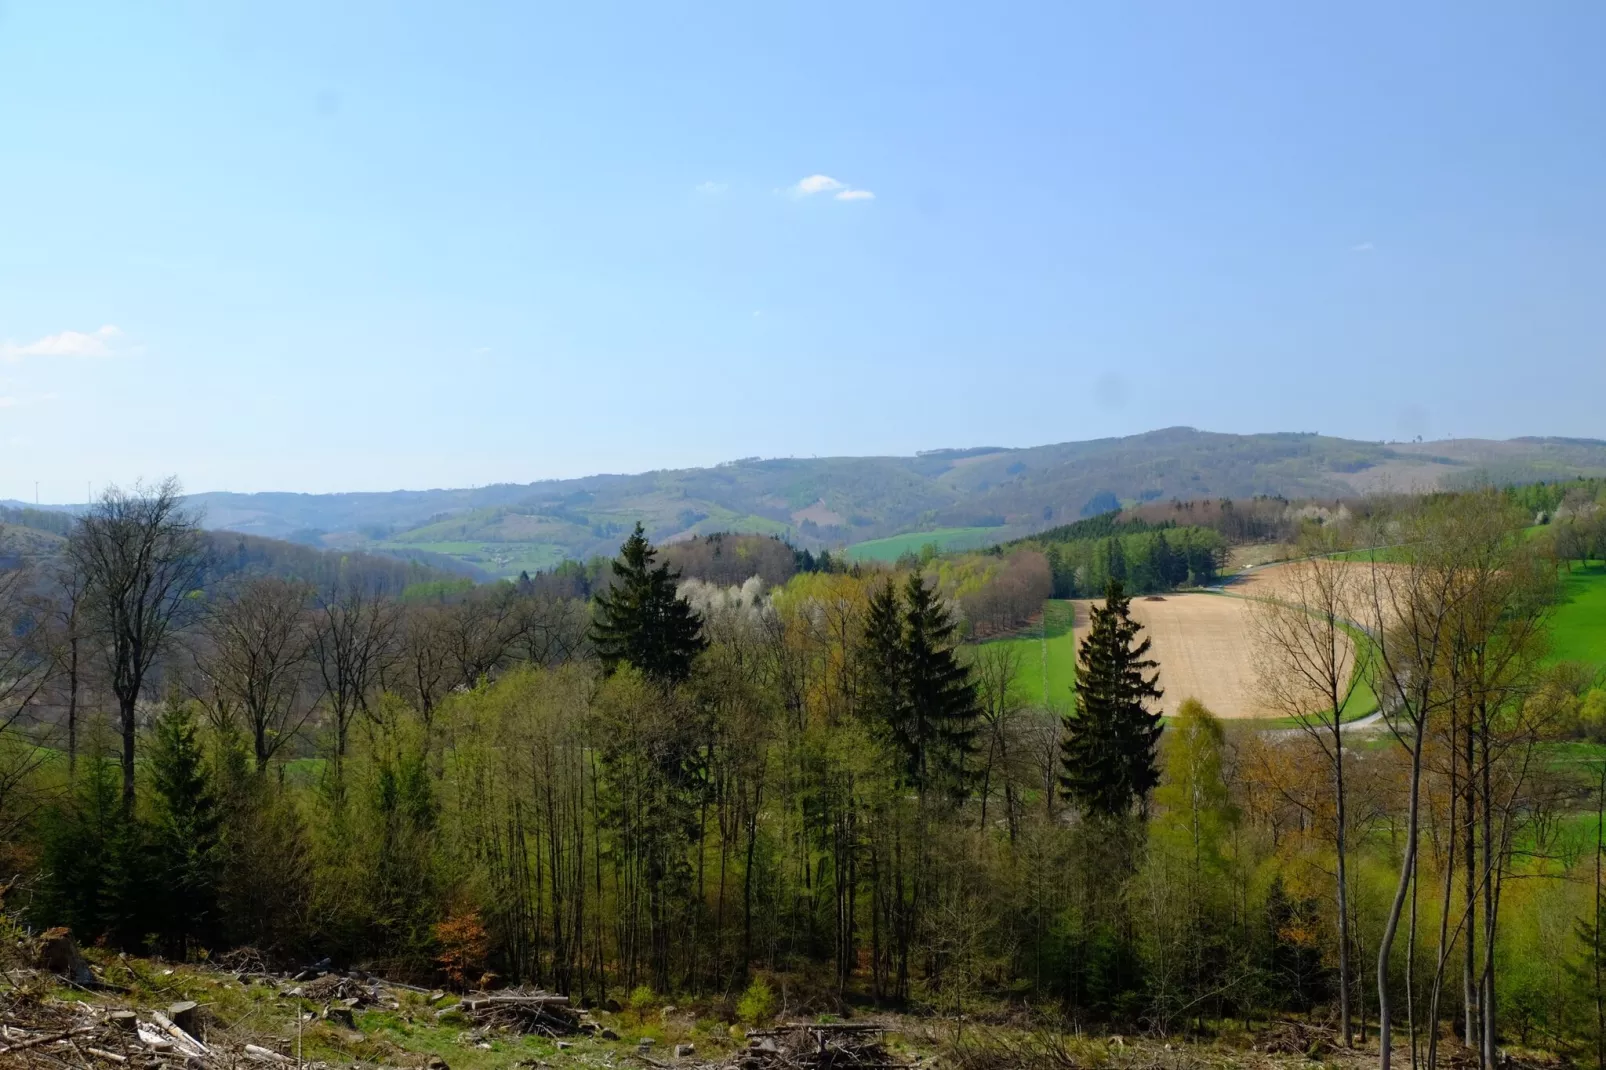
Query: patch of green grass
894, 546
1578, 625
498, 558
1048, 659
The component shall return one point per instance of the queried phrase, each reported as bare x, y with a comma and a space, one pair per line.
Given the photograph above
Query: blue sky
348, 246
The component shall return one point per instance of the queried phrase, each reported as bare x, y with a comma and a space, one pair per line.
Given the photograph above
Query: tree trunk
1385, 1033
1343, 884
126, 715
72, 705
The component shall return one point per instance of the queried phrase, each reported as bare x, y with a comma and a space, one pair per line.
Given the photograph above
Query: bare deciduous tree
995, 668
1310, 659
26, 668
255, 662
140, 556
353, 642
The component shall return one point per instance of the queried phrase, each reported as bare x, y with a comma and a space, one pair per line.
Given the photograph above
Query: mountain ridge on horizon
988, 493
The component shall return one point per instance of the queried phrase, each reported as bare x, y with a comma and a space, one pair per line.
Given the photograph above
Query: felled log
523, 1012
49, 1038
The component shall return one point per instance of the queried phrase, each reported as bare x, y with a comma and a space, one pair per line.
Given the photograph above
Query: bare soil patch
1205, 648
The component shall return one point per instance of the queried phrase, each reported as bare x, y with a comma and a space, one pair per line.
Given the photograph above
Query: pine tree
1115, 559
881, 657
915, 685
1161, 562
641, 620
78, 838
941, 696
186, 831
1107, 758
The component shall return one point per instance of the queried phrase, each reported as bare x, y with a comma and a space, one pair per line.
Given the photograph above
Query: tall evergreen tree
1115, 559
916, 685
941, 695
643, 621
186, 831
78, 854
881, 656
1108, 755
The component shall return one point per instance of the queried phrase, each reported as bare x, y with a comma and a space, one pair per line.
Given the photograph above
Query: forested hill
986, 494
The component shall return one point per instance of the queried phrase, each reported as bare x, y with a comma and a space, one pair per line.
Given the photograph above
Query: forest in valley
727, 768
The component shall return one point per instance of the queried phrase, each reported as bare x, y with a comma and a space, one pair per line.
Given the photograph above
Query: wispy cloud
840, 190
712, 189
1363, 247
105, 342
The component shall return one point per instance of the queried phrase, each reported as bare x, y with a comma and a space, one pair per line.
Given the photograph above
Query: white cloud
104, 342
817, 184
1363, 247
712, 189
838, 189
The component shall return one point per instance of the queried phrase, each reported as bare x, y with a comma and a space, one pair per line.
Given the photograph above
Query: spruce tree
941, 696
77, 851
1107, 757
186, 831
642, 621
1115, 559
915, 685
881, 657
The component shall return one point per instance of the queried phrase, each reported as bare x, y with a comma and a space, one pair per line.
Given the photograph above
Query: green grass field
1047, 659
894, 546
1578, 626
498, 558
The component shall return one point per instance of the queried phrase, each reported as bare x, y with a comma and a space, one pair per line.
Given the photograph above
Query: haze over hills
979, 495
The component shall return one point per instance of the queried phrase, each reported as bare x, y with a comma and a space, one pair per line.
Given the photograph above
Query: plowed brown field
1205, 648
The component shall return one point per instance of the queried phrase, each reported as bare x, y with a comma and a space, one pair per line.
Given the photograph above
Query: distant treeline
1147, 556
1547, 498
234, 555
47, 520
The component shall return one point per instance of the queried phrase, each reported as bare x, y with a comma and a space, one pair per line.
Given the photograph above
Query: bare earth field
1277, 582
1205, 650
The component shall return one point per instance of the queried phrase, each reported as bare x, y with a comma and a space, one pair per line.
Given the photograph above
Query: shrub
758, 1003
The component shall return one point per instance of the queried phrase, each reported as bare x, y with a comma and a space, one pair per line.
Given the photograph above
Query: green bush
758, 1004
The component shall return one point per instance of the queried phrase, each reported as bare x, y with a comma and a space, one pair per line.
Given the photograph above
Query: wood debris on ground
518, 1011
829, 1046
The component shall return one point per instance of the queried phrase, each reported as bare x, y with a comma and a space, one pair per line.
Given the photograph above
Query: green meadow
1578, 624
1047, 658
894, 546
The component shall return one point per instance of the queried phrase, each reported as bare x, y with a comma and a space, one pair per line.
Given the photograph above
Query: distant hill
992, 494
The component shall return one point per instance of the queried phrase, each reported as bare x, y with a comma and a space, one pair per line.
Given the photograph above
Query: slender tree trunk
127, 716
1600, 847
1385, 1009
1469, 849
1490, 860
1339, 837
1445, 948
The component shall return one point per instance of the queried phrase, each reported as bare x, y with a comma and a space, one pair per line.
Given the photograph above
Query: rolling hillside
844, 501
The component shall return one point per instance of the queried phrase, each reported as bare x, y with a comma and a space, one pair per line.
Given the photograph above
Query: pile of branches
838, 1046
1298, 1038
50, 1033
517, 1011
